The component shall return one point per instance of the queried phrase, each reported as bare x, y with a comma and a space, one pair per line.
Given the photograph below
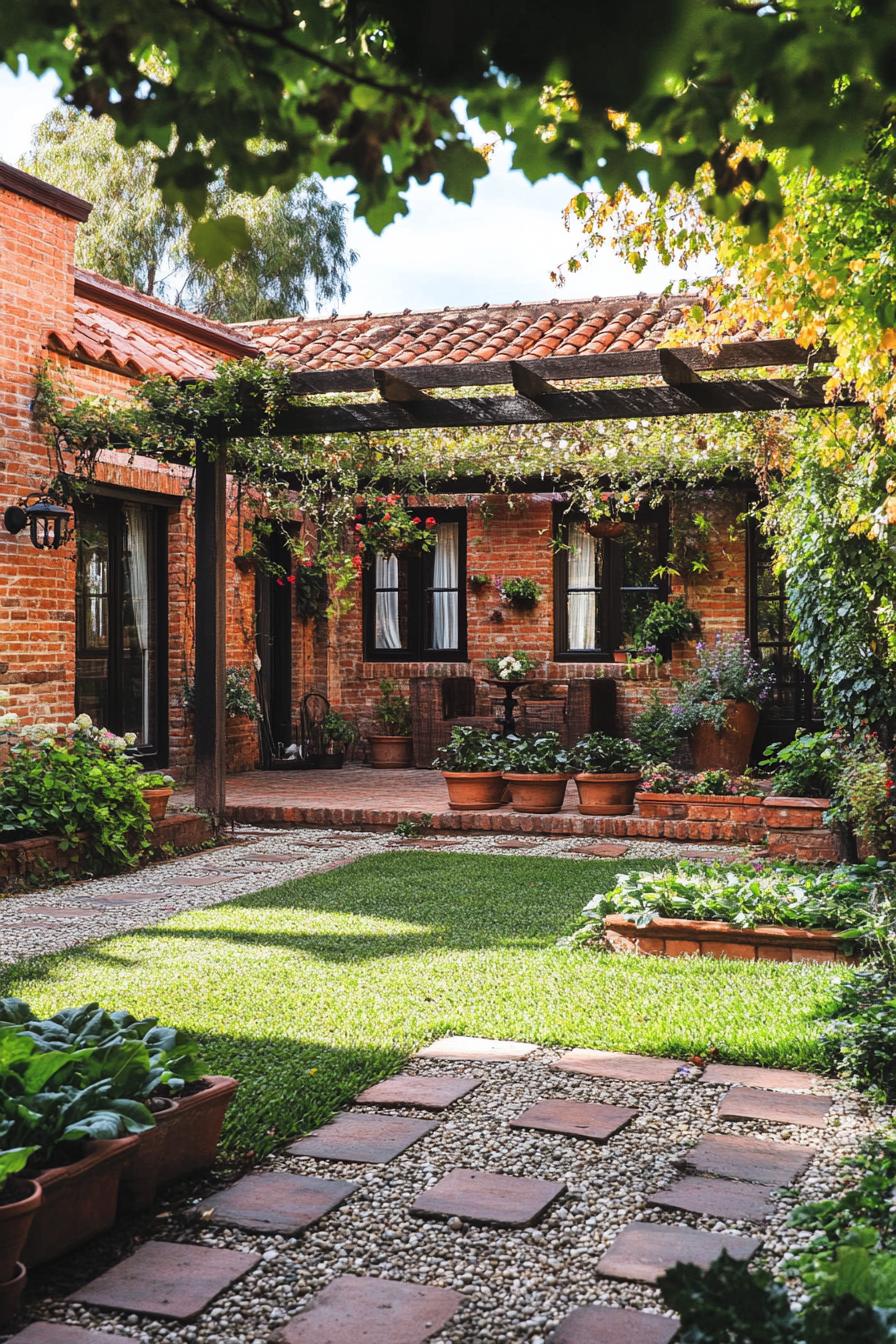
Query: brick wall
37, 589
515, 541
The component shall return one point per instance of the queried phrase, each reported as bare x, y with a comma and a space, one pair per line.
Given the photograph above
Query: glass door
120, 631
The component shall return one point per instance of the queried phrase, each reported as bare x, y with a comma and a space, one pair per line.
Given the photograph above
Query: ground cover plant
309, 991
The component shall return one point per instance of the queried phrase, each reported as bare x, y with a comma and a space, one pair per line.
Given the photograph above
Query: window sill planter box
536, 793
22, 1199
140, 1178
608, 795
157, 802
470, 791
729, 749
11, 1294
713, 938
194, 1128
390, 753
80, 1200
700, 807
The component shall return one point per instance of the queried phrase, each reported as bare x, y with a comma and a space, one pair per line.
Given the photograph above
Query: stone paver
362, 1136
775, 1080
608, 849
515, 844
584, 1119
127, 897
275, 1201
54, 1332
166, 1278
372, 1311
716, 1197
785, 1108
742, 1158
614, 1325
475, 1048
644, 1251
431, 1092
487, 1197
612, 1064
56, 911
211, 881
266, 858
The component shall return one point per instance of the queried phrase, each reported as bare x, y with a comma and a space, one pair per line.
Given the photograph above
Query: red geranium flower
307, 563
416, 521
357, 527
430, 522
356, 561
290, 578
386, 517
279, 583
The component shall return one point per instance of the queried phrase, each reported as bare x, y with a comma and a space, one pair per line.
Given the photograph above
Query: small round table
510, 686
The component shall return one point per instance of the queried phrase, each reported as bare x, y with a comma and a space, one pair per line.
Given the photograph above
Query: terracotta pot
606, 527
536, 793
472, 792
620, 656
80, 1200
730, 749
245, 562
11, 1294
193, 1131
157, 802
140, 1178
609, 795
16, 1217
390, 753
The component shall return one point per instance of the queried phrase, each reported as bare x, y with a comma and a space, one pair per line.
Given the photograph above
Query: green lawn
311, 990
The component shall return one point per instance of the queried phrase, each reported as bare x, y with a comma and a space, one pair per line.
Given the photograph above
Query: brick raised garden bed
712, 938
24, 862
796, 829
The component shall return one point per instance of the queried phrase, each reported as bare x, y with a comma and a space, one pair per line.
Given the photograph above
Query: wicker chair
437, 705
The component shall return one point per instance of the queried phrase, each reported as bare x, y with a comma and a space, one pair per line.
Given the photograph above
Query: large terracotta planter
536, 793
730, 749
473, 792
157, 802
609, 795
140, 1178
23, 1199
11, 1294
194, 1128
390, 753
80, 1200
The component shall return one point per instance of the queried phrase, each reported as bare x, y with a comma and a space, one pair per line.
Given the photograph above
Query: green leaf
216, 240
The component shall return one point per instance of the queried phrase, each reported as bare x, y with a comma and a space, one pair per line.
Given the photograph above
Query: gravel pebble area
518, 1284
241, 868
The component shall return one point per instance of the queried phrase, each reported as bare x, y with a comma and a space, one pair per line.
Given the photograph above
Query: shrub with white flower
511, 666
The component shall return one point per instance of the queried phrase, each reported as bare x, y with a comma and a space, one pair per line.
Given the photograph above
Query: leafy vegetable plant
599, 754
471, 750
541, 755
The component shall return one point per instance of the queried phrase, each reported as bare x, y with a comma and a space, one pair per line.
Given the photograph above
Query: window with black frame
415, 601
604, 586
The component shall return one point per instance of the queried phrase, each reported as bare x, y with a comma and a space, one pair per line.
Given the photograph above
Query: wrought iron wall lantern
49, 524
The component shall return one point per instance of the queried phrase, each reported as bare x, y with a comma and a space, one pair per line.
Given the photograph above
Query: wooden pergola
656, 383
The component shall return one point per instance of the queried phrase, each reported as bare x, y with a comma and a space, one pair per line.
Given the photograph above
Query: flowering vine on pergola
292, 433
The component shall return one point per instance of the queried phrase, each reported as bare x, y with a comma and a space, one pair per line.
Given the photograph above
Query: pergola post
211, 630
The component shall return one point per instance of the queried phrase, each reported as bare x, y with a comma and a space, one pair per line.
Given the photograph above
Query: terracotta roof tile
469, 335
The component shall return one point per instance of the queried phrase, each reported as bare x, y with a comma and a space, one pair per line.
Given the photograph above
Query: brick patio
380, 799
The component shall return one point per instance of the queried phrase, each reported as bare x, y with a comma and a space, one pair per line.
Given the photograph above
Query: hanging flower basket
607, 527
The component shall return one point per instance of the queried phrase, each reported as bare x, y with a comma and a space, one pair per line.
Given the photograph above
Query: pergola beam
559, 368
556, 407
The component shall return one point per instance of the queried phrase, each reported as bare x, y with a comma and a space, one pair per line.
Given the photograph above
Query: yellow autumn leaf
888, 339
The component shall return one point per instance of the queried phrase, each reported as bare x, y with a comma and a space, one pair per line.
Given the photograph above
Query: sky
502, 247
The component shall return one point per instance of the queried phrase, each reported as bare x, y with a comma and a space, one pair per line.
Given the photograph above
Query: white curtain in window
445, 571
138, 523
581, 607
387, 634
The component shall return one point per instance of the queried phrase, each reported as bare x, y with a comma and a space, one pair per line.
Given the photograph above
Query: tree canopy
379, 90
296, 250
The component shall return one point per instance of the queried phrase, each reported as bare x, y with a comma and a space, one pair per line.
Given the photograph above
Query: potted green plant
471, 763
537, 770
478, 582
521, 594
157, 790
338, 733
718, 707
667, 621
20, 1199
392, 748
608, 771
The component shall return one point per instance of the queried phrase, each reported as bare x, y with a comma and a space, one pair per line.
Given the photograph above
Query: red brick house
105, 624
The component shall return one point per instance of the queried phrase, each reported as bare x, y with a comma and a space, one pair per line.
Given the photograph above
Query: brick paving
611, 1064
377, 1311
165, 1278
645, 1251
614, 1325
743, 1158
488, 1197
409, 1089
583, 1119
774, 1080
275, 1201
362, 1137
784, 1108
717, 1198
